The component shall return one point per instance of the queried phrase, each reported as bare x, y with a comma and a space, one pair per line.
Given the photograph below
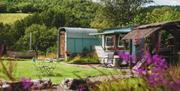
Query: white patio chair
101, 54
106, 58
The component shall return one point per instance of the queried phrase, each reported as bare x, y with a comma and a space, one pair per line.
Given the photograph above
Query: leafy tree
156, 14
6, 35
164, 14
42, 38
118, 12
53, 17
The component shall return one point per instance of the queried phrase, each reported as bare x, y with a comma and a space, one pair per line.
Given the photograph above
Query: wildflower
26, 83
126, 56
141, 71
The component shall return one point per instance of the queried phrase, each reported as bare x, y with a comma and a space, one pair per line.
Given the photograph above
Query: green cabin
74, 41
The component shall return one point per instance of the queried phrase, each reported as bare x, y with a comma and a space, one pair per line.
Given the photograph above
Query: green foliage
6, 34
117, 13
53, 17
42, 37
131, 84
156, 14
26, 7
2, 6
84, 60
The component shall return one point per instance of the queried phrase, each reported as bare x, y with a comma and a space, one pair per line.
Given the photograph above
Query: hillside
10, 18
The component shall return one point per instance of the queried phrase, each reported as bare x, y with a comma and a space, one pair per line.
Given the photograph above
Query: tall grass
8, 69
137, 84
174, 71
131, 84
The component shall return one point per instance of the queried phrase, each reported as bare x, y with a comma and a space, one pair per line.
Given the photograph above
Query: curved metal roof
78, 32
118, 30
114, 30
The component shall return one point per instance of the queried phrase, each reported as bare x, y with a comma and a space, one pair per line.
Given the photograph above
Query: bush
26, 7
12, 9
2, 7
42, 38
84, 60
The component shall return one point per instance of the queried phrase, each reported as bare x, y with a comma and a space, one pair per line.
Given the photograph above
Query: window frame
106, 39
121, 35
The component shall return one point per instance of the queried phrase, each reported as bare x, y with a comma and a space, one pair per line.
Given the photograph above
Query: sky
162, 2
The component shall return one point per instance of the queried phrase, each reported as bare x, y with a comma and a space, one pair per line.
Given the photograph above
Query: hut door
62, 44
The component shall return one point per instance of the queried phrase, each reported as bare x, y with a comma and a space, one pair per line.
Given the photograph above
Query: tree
42, 38
164, 14
156, 14
118, 12
6, 35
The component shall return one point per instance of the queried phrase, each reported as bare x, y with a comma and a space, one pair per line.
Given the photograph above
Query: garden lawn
10, 18
29, 69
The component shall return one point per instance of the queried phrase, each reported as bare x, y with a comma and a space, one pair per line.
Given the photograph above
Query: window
122, 43
109, 40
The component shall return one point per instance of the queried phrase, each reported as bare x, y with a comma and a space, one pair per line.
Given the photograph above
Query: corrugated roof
112, 31
158, 24
144, 31
118, 30
78, 32
140, 33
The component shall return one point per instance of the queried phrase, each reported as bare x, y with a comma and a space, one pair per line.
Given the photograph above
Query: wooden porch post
115, 41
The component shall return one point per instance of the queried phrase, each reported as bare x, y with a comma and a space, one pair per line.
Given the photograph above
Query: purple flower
175, 85
154, 70
141, 71
126, 56
26, 83
147, 57
81, 88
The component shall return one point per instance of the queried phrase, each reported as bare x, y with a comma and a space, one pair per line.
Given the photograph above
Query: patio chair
102, 55
106, 58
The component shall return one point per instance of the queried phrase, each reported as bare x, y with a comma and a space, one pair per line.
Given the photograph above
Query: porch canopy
144, 31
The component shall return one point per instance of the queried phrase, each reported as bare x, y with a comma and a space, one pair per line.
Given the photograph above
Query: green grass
10, 18
62, 70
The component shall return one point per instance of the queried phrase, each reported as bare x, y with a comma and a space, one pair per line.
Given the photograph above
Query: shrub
83, 60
